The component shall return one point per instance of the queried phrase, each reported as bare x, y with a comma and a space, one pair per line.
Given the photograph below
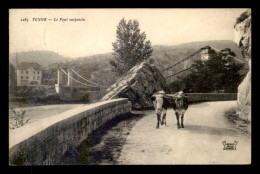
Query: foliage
85, 99
47, 99
242, 17
217, 73
106, 77
35, 94
12, 75
18, 118
130, 47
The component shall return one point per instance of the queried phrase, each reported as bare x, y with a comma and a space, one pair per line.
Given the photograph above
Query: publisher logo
229, 146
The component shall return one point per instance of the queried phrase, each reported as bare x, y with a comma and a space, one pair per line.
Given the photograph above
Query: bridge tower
69, 87
71, 83
66, 86
59, 81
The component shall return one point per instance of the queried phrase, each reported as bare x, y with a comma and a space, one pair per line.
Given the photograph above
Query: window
26, 77
38, 77
26, 72
38, 72
33, 72
21, 77
33, 77
21, 72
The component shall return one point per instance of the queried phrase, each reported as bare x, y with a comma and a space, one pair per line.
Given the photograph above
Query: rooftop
26, 65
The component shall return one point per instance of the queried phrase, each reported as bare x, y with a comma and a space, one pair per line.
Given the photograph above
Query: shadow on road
211, 130
104, 145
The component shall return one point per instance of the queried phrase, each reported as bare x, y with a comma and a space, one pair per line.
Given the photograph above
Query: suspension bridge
72, 86
184, 66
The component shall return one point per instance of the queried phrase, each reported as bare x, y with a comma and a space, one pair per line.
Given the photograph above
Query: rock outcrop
243, 40
139, 84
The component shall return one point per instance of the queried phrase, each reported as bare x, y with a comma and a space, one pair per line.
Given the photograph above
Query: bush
47, 99
85, 98
35, 94
18, 119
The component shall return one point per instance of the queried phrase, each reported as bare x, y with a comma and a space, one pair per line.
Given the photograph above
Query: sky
96, 33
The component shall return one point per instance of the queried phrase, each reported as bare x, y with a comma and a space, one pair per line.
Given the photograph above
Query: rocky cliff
139, 84
243, 40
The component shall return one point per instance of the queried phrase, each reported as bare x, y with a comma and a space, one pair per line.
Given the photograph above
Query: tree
12, 75
218, 73
85, 98
130, 47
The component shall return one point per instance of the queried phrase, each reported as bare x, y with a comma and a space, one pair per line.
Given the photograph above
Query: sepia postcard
129, 86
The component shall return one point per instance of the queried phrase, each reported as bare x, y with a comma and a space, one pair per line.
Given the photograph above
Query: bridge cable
77, 80
83, 77
198, 51
179, 72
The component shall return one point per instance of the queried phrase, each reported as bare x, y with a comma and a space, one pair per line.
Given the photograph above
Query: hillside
97, 68
44, 58
163, 55
168, 55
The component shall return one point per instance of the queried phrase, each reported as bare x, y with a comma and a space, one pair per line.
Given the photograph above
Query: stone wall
54, 140
203, 97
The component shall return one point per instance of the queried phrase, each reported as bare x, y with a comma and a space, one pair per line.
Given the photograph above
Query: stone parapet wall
203, 97
51, 140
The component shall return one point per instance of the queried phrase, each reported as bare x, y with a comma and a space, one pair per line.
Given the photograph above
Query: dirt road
133, 139
200, 142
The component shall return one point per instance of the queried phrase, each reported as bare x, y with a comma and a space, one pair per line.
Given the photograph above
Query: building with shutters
29, 74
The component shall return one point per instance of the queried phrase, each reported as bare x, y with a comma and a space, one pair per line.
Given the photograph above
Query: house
29, 74
206, 53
